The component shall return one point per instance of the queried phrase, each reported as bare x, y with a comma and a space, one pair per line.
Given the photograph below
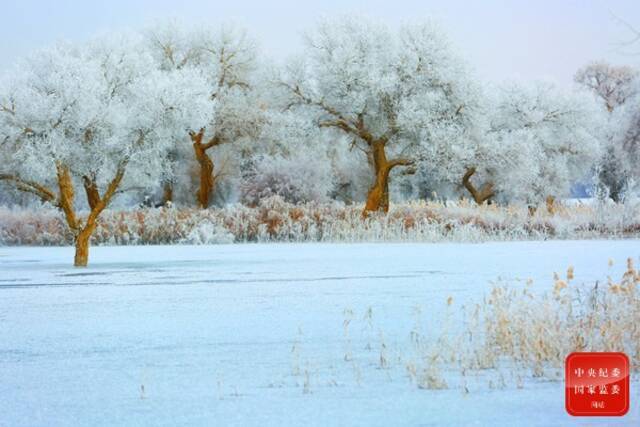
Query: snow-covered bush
292, 161
296, 179
41, 227
208, 233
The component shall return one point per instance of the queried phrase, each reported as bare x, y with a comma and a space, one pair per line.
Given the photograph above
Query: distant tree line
175, 115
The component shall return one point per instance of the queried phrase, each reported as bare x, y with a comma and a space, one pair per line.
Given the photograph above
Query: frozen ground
255, 334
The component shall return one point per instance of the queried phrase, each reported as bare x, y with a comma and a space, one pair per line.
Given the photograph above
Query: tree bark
378, 196
66, 196
479, 196
82, 245
551, 204
206, 176
91, 189
207, 181
167, 194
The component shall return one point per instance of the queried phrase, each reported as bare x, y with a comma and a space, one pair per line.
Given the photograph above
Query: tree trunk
98, 204
206, 176
479, 196
206, 166
378, 196
167, 195
82, 246
551, 204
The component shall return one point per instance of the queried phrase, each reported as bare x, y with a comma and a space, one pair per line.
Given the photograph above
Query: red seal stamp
597, 384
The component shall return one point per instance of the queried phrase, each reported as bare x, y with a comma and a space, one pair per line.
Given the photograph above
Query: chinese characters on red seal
597, 384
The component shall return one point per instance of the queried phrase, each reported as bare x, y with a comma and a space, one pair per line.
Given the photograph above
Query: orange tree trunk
479, 196
551, 204
206, 166
167, 195
83, 233
206, 176
378, 196
82, 245
66, 196
91, 189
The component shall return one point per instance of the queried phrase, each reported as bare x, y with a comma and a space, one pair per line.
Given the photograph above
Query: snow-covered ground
257, 334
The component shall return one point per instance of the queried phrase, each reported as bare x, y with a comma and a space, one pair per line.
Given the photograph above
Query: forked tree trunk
65, 202
83, 232
378, 196
479, 196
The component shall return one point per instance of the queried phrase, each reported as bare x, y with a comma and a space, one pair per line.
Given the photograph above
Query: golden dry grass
516, 334
276, 220
531, 333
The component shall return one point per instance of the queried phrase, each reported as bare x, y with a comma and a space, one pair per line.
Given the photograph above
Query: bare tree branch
30, 187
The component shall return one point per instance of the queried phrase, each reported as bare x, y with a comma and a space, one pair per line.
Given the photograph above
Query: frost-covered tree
227, 58
614, 85
533, 141
543, 139
626, 140
390, 92
618, 88
463, 154
95, 117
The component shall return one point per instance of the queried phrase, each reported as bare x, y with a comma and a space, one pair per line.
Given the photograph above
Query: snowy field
258, 334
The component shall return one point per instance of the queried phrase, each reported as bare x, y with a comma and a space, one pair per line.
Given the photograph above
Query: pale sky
517, 39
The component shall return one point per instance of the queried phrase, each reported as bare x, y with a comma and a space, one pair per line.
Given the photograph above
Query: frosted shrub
207, 233
26, 227
274, 219
295, 179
